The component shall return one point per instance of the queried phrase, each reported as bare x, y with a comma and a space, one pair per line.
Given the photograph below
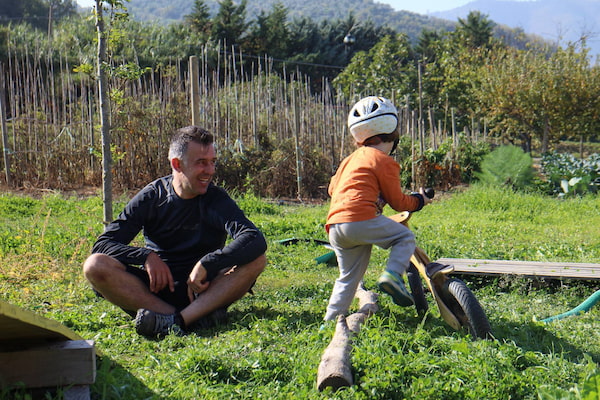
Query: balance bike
457, 304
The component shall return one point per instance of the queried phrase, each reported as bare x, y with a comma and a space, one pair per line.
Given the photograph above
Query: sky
85, 3
424, 6
419, 6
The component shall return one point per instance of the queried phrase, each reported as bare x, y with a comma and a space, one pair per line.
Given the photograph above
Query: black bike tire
417, 289
459, 295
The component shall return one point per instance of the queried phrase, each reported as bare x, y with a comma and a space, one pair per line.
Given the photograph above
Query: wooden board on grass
18, 326
39, 352
556, 270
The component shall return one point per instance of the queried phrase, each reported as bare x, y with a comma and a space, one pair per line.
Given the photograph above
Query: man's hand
197, 282
159, 273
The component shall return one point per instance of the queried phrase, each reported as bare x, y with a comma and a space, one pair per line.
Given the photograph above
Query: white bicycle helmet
372, 116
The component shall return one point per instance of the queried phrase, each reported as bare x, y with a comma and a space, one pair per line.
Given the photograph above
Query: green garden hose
583, 307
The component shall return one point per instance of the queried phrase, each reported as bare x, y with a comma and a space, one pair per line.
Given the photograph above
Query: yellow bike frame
435, 283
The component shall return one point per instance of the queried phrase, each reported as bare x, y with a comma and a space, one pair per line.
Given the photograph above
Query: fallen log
335, 369
367, 303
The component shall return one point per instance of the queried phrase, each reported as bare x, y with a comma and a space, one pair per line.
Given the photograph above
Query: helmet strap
396, 141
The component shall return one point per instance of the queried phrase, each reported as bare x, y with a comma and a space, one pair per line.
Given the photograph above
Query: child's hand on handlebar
426, 198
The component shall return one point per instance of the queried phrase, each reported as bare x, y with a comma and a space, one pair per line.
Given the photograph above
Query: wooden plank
22, 326
524, 268
71, 362
44, 354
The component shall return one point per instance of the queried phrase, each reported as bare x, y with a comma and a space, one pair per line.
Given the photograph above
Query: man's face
195, 171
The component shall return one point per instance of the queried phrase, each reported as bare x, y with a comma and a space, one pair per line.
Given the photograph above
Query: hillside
381, 14
554, 20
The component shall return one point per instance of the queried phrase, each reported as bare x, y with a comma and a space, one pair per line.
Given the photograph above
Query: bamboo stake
297, 142
195, 89
5, 148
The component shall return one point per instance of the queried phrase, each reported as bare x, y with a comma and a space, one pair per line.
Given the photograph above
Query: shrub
507, 165
449, 165
271, 172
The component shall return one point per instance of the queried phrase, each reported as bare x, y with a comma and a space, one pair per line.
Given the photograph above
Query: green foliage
542, 96
498, 223
199, 19
270, 33
591, 387
35, 12
475, 30
272, 172
450, 165
384, 70
507, 165
569, 175
316, 10
272, 346
230, 23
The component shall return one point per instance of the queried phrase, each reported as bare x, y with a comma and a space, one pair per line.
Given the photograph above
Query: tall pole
297, 142
5, 149
195, 89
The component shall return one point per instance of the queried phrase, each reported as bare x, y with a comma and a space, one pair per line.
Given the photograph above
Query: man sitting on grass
185, 273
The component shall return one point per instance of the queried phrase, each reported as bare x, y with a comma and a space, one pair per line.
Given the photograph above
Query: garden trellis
53, 138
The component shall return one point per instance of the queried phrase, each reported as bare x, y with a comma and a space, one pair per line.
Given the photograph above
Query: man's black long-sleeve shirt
183, 231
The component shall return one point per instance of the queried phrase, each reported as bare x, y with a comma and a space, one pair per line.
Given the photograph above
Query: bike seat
401, 217
433, 269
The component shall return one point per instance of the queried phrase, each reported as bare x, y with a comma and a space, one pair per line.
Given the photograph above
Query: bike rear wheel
463, 303
417, 289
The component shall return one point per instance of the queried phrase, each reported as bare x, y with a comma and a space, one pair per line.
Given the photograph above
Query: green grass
272, 346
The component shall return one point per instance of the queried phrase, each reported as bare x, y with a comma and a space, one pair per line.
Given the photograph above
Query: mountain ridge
554, 20
557, 21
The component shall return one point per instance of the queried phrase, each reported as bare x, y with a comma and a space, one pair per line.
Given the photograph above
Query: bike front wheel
464, 305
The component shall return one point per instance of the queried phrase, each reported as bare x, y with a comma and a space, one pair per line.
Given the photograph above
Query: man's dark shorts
179, 298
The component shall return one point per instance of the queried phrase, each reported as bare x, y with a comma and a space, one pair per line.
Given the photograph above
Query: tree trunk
104, 116
546, 136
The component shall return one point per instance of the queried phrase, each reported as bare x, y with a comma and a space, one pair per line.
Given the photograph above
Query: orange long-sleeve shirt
359, 181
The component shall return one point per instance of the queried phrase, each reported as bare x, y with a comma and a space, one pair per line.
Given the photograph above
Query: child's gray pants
352, 243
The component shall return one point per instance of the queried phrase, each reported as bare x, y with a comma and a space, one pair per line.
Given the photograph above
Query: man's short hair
182, 138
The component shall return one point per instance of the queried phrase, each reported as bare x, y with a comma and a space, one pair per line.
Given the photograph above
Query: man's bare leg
224, 290
110, 278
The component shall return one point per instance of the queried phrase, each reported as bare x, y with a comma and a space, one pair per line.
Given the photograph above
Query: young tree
532, 95
104, 104
229, 25
476, 30
270, 34
386, 69
103, 66
199, 19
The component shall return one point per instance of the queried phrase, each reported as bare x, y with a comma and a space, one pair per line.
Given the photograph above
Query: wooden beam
586, 271
71, 362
